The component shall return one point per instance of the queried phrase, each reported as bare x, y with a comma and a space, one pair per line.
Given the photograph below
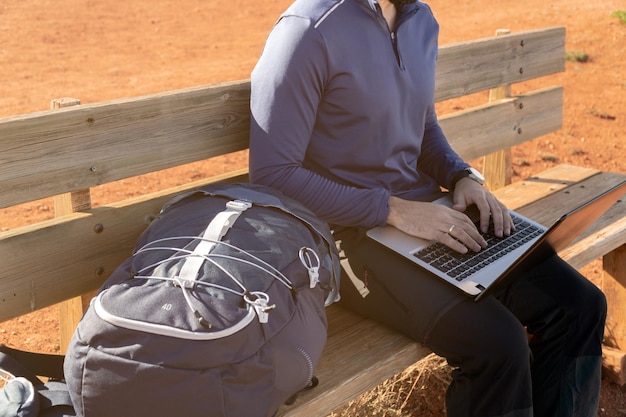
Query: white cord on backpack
194, 259
311, 262
258, 300
258, 262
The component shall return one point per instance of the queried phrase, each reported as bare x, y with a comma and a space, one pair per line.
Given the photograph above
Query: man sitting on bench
343, 120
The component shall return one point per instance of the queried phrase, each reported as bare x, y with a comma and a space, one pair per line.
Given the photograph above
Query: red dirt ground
95, 51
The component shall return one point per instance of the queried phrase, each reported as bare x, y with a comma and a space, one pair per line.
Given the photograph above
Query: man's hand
468, 192
451, 226
435, 222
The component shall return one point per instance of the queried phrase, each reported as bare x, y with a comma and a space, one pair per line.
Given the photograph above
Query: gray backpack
219, 312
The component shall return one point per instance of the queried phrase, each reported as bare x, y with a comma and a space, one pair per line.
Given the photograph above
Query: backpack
220, 311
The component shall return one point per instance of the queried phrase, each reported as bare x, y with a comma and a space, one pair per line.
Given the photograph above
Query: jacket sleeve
287, 85
438, 159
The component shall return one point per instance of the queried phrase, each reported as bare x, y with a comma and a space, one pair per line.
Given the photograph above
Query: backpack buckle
239, 205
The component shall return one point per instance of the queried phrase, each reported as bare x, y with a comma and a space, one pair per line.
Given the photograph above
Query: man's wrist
470, 173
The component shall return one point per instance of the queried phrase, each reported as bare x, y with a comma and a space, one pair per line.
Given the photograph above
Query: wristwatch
470, 173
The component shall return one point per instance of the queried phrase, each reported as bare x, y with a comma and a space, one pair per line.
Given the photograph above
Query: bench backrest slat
53, 152
479, 65
482, 130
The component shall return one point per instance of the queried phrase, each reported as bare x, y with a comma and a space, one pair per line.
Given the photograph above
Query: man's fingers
463, 237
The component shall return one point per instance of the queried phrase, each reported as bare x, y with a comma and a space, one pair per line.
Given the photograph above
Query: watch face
476, 175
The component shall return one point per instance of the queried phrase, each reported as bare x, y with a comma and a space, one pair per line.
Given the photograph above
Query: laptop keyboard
460, 266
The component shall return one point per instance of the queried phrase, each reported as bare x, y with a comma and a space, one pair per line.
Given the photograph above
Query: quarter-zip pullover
343, 110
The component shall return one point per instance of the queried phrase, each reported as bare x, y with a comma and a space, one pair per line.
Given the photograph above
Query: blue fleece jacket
343, 110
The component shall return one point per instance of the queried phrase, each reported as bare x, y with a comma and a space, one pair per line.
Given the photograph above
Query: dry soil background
100, 50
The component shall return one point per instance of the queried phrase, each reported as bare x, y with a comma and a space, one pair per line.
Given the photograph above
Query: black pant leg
485, 343
565, 315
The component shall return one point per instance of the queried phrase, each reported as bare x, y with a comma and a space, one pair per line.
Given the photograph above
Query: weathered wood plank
522, 193
553, 193
53, 152
70, 311
602, 237
469, 67
508, 122
498, 166
355, 360
614, 286
547, 209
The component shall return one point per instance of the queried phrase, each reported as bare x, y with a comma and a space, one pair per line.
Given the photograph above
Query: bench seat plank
554, 192
607, 235
522, 193
358, 356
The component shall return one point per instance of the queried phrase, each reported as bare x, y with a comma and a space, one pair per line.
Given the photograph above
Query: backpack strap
215, 231
30, 364
54, 394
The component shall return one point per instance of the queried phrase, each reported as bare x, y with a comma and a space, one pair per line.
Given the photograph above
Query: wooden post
614, 287
498, 166
70, 311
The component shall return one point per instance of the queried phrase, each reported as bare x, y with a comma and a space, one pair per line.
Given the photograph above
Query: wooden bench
65, 152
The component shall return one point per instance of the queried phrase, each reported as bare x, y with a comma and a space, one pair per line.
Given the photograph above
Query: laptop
475, 273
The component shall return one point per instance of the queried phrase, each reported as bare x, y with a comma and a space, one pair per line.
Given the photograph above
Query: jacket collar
406, 9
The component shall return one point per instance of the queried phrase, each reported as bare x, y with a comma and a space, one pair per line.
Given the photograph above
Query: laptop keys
460, 266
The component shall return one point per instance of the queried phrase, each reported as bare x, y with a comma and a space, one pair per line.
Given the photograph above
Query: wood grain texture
54, 152
469, 67
356, 358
